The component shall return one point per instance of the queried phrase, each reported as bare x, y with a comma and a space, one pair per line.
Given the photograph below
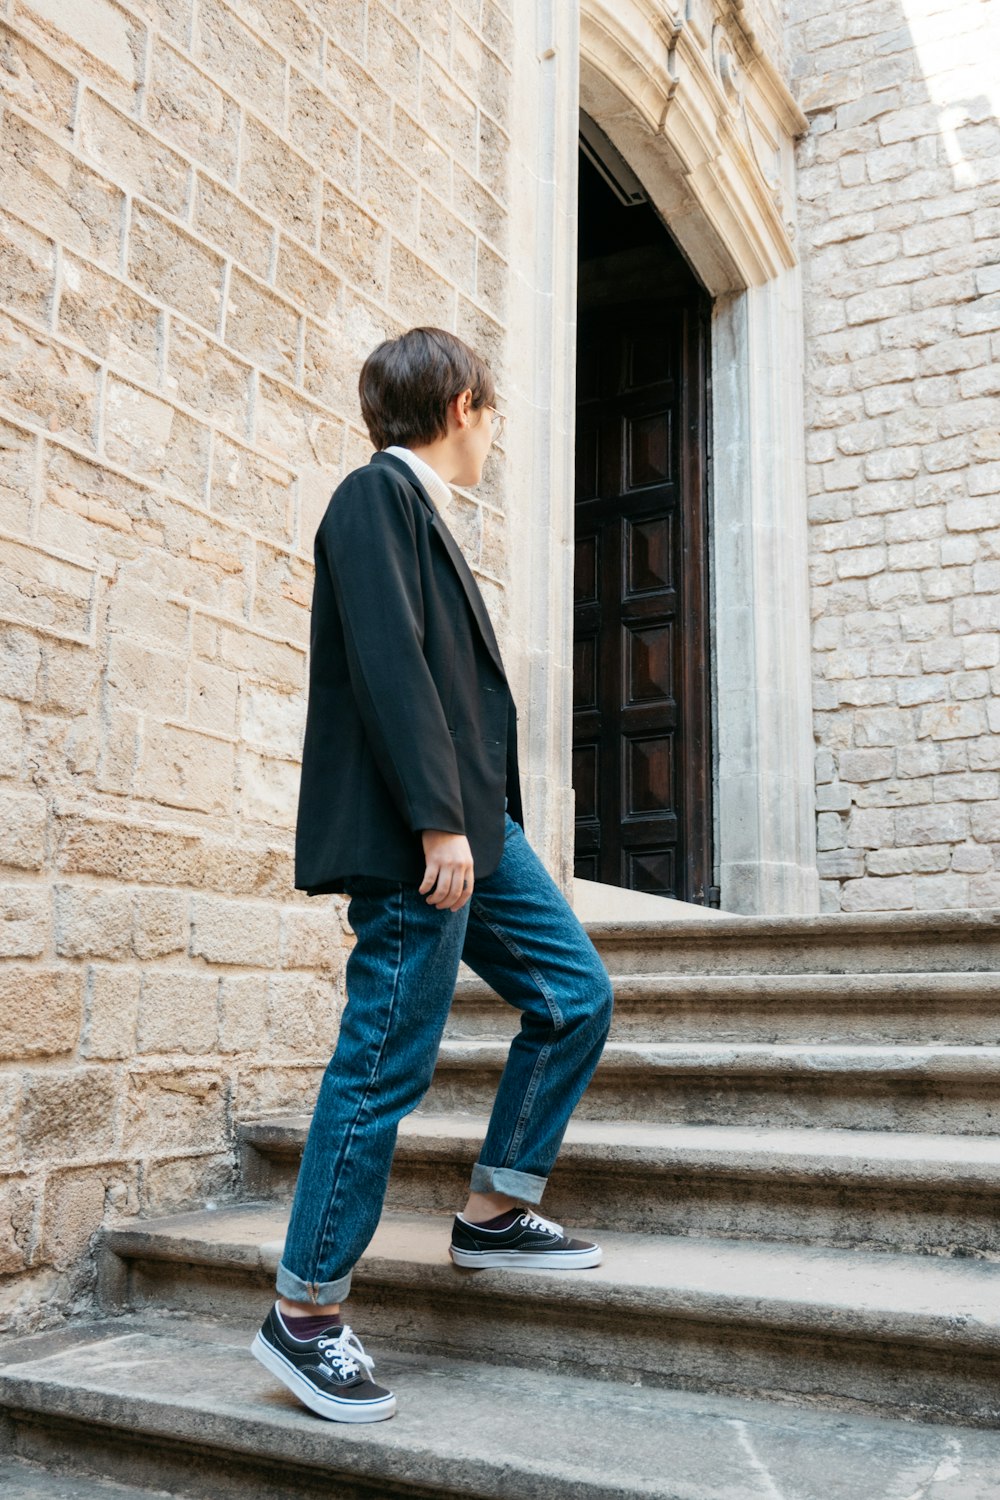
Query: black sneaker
519, 1237
324, 1372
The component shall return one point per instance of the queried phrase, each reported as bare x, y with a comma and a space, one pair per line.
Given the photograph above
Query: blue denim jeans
520, 934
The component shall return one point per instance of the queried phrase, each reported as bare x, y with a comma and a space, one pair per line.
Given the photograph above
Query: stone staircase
791, 1154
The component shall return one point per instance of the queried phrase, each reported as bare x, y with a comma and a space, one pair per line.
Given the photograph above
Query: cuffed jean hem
505, 1180
320, 1292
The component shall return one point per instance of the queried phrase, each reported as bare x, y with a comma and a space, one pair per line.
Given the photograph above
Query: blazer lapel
454, 551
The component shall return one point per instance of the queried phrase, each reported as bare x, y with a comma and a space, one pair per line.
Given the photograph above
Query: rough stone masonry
899, 217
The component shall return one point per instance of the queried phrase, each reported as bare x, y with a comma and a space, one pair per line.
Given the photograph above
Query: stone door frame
701, 117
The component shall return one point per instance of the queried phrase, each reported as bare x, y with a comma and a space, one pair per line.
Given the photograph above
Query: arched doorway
642, 744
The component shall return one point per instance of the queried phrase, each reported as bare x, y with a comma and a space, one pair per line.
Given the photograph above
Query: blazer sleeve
368, 540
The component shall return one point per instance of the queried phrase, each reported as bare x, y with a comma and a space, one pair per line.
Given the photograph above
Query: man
410, 802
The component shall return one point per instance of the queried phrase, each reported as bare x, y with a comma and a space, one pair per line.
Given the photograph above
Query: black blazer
410, 722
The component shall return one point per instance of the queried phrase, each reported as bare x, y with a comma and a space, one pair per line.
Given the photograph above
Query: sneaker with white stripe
528, 1240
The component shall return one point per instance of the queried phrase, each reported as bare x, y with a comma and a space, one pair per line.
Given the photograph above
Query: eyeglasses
498, 420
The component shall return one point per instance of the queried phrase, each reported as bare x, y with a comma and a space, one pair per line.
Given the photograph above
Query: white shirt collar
437, 487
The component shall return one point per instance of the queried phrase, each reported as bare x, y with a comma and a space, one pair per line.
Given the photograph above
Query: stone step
22, 1480
877, 1190
914, 1336
831, 942
180, 1403
952, 1090
891, 1008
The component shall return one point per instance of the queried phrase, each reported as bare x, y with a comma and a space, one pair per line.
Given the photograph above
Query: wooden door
641, 683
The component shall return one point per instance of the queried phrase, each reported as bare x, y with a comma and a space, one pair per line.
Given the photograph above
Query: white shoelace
345, 1354
534, 1221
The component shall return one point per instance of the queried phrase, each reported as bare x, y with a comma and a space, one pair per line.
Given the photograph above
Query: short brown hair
406, 383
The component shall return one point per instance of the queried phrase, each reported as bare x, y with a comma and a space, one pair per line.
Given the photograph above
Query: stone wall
212, 210
899, 223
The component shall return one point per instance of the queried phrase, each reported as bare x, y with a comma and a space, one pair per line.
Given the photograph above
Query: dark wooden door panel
641, 694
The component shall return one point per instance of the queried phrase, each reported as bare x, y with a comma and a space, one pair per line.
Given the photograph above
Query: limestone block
138, 610
478, 70
252, 488
865, 765
110, 319
879, 893
262, 327
306, 281
921, 860
77, 1202
277, 1087
68, 1114
304, 1013
192, 112
951, 721
447, 107
883, 726
173, 1184
393, 53
112, 1008
311, 939
922, 690
118, 752
178, 1011
426, 159
284, 592
17, 468
297, 430
175, 1109
321, 130
840, 863
205, 376
984, 890
174, 267
279, 183
447, 243
92, 921
131, 156
243, 1007
59, 194
24, 920
27, 269
36, 83
18, 1197
272, 721
11, 739
146, 680
234, 932
161, 923
488, 217
932, 824
154, 439
870, 828
941, 892
22, 830
233, 53
184, 768
353, 243
268, 789
389, 190
47, 382
100, 39
212, 697
829, 831
225, 220
42, 1009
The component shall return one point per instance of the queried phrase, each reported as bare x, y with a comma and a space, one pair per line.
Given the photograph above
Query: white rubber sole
333, 1407
539, 1260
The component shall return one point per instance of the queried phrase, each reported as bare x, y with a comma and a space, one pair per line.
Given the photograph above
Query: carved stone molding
693, 89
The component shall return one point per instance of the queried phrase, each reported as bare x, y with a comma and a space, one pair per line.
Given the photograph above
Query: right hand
448, 876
